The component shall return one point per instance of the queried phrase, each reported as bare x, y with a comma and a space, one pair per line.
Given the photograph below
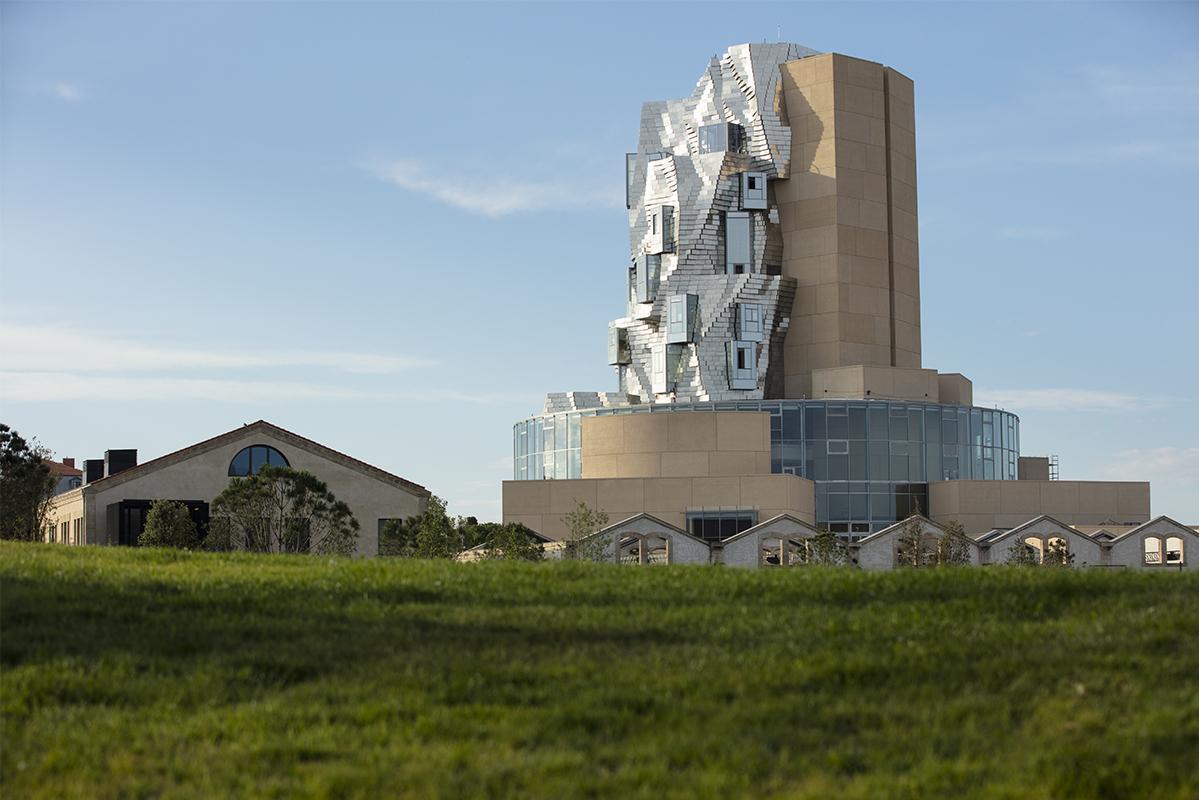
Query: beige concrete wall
955, 389
676, 445
203, 476
983, 505
541, 504
848, 214
66, 507
1033, 468
876, 383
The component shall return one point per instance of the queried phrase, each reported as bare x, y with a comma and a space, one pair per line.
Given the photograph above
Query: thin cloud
67, 91
1161, 466
44, 387
1031, 232
1071, 400
490, 197
33, 347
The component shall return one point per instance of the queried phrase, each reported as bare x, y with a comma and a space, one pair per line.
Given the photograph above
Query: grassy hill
132, 673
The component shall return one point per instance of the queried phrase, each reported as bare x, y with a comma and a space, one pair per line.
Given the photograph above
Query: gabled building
111, 509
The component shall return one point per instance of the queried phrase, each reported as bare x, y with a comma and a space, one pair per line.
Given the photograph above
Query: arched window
1174, 553
629, 549
1153, 551
657, 549
251, 459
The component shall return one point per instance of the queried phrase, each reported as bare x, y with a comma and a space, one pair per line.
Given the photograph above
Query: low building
111, 509
67, 476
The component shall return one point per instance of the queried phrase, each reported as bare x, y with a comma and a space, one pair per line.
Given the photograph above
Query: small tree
1057, 554
436, 536
581, 524
283, 510
512, 541
26, 486
169, 524
913, 547
397, 538
827, 550
953, 548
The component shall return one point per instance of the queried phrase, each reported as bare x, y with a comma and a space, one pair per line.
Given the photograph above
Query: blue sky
393, 227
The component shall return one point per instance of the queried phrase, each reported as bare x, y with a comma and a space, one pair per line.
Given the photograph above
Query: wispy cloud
1161, 466
1072, 400
35, 347
492, 196
1031, 232
47, 387
67, 91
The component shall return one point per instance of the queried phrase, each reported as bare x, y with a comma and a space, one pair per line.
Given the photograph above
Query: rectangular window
681, 318
618, 345
738, 242
753, 190
661, 230
645, 277
722, 136
743, 365
749, 322
658, 369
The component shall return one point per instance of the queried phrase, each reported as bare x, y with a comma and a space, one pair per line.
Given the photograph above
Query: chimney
70, 462
93, 469
118, 461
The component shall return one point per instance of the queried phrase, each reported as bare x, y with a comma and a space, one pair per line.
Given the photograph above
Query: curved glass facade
871, 460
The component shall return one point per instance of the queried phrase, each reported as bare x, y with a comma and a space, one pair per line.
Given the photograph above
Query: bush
169, 524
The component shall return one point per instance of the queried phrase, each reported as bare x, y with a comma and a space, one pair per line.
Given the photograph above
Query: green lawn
132, 673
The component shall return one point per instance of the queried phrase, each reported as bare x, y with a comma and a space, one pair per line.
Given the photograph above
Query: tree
512, 541
169, 524
1022, 555
953, 548
581, 524
1057, 554
283, 510
398, 537
826, 549
436, 535
913, 547
26, 486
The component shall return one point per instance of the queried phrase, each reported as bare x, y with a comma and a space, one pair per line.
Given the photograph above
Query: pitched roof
762, 525
899, 525
1155, 520
61, 469
1042, 518
265, 427
651, 518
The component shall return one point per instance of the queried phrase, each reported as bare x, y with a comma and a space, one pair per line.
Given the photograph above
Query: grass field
132, 673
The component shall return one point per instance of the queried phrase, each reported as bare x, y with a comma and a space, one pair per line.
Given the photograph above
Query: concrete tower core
847, 205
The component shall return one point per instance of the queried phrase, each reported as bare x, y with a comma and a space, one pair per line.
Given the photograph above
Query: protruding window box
722, 137
738, 243
645, 279
682, 317
618, 345
664, 365
749, 322
743, 365
661, 230
753, 191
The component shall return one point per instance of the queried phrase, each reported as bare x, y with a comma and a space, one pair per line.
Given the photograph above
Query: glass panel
880, 456
857, 422
838, 506
257, 459
791, 423
859, 506
838, 467
882, 506
899, 461
949, 428
857, 461
814, 422
240, 466
878, 421
899, 424
932, 425
915, 425
275, 458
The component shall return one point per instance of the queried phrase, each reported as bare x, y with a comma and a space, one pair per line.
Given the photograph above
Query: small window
738, 269
753, 181
1153, 551
1174, 554
253, 458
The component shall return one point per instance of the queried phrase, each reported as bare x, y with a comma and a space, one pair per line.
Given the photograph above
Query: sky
392, 228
